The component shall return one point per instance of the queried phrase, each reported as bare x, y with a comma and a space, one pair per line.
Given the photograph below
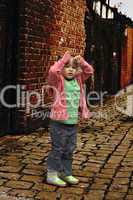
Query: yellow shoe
55, 180
70, 179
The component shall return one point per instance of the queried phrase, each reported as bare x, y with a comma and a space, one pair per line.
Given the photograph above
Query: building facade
107, 47
33, 35
37, 32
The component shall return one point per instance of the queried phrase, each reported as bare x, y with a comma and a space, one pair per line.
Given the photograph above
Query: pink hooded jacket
56, 81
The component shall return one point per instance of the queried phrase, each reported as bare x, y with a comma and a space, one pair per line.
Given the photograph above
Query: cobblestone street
103, 162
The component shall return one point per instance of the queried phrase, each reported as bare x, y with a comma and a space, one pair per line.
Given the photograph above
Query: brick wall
47, 29
127, 60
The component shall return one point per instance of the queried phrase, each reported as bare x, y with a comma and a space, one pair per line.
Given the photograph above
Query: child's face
70, 70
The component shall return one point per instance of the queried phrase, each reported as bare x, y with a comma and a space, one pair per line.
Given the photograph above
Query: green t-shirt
72, 91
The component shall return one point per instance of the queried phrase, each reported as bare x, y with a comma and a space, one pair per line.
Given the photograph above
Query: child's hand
66, 57
77, 59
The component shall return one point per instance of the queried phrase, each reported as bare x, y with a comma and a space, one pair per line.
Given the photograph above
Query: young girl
66, 77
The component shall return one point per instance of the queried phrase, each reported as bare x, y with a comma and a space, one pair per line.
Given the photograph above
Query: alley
103, 161
34, 34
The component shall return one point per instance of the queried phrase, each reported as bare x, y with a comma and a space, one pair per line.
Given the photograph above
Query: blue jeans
64, 139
